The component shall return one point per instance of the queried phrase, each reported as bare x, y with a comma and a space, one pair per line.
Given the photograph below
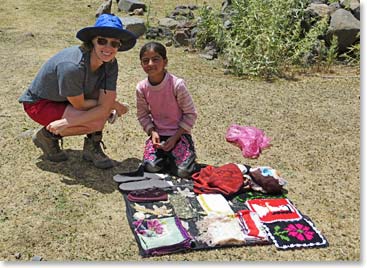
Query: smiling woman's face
105, 48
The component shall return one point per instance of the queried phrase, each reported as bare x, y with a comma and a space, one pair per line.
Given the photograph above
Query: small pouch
147, 195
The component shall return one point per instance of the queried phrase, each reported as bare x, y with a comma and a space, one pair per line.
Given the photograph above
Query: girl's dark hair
155, 46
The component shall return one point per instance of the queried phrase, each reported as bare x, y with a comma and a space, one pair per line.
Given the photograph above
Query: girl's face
106, 48
153, 64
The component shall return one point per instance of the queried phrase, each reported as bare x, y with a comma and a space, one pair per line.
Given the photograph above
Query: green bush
353, 55
265, 37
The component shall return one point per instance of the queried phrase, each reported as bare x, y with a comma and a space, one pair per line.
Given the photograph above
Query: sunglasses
103, 42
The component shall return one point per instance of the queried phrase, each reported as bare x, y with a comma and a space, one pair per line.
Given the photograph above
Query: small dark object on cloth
147, 195
268, 179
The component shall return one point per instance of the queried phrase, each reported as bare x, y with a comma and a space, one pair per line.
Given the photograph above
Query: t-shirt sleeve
111, 76
70, 79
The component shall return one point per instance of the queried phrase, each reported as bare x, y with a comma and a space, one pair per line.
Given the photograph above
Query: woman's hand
56, 127
121, 108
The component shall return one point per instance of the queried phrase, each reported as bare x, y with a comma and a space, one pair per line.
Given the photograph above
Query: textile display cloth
188, 221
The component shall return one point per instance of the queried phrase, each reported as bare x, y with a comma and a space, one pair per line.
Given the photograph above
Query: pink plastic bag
250, 140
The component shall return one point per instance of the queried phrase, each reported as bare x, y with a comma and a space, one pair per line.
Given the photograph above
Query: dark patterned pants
180, 161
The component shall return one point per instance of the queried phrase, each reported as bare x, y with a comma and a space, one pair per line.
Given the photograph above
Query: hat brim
128, 39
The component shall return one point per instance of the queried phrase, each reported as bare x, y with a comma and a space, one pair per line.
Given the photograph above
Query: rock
104, 8
353, 5
333, 7
130, 5
181, 38
321, 10
134, 25
169, 43
137, 12
318, 1
168, 23
345, 27
36, 258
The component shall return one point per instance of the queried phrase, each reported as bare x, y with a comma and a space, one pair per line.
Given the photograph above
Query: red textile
226, 180
245, 217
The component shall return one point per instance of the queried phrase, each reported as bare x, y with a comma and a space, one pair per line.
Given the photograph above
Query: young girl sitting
167, 114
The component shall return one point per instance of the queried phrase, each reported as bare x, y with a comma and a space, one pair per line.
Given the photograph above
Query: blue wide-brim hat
108, 25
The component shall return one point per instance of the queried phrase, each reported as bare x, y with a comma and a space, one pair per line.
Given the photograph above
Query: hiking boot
93, 152
49, 144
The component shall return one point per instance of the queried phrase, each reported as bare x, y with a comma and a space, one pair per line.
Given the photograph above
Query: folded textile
251, 225
267, 180
226, 180
214, 204
182, 206
239, 229
147, 195
217, 230
271, 210
295, 234
162, 236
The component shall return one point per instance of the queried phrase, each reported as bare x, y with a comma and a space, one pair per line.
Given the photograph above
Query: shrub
265, 36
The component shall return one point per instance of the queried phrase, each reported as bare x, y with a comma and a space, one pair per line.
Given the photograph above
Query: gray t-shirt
68, 74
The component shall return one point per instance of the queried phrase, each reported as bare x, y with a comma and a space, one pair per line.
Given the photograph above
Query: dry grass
73, 211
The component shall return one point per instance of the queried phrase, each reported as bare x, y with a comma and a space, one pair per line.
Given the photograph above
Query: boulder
134, 25
321, 10
352, 5
104, 8
130, 5
345, 27
168, 23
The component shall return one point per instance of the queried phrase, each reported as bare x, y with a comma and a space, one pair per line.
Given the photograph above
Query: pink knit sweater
167, 106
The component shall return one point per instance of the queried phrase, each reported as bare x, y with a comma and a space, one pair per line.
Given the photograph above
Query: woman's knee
96, 125
71, 112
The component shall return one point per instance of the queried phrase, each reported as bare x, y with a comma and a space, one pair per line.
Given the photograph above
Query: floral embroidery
149, 151
181, 151
281, 234
300, 231
295, 234
149, 228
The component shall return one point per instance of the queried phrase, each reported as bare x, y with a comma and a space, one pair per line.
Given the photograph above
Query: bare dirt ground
73, 212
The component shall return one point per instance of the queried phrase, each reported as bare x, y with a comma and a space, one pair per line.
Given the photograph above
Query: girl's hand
155, 139
172, 141
169, 144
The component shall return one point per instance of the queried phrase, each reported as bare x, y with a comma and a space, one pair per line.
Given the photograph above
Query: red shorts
45, 111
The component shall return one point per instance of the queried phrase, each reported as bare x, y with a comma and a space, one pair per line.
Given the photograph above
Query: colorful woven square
295, 234
271, 210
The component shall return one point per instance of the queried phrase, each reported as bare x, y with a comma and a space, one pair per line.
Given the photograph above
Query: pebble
36, 258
